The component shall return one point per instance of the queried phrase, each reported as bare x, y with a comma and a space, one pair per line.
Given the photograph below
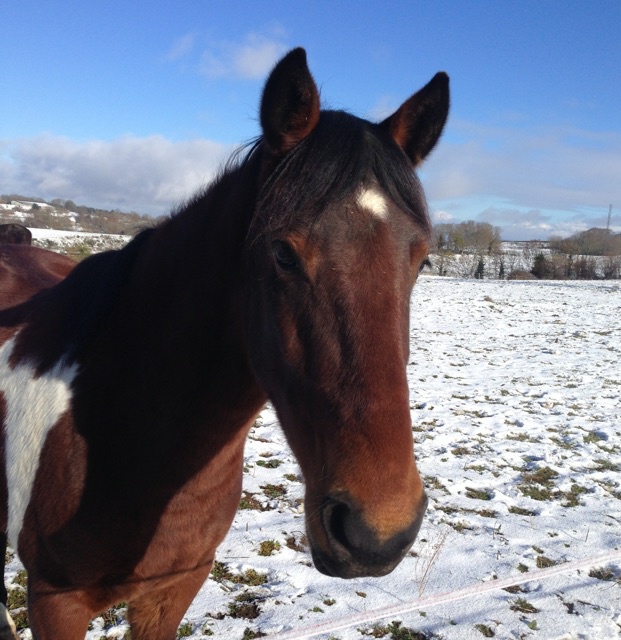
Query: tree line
475, 249
66, 215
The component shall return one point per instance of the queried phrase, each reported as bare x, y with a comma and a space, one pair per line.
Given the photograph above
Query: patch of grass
461, 451
538, 484
268, 547
433, 483
329, 602
602, 573
488, 513
478, 494
448, 509
563, 443
519, 511
572, 497
459, 526
522, 568
16, 599
377, 631
291, 477
593, 437
601, 464
245, 606
514, 589
185, 630
252, 578
273, 463
396, 631
297, 545
522, 437
523, 606
21, 578
543, 562
274, 491
249, 634
479, 468
248, 501
542, 494
221, 573
485, 630
543, 476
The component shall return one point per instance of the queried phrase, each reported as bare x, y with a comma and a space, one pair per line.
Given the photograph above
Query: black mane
340, 154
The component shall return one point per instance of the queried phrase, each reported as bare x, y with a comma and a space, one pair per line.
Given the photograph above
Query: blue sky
135, 104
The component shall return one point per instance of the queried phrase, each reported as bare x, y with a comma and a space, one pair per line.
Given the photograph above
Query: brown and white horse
128, 387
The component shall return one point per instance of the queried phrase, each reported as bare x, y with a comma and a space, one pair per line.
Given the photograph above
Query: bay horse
129, 382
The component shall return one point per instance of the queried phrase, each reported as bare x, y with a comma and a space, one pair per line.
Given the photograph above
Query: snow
61, 241
516, 407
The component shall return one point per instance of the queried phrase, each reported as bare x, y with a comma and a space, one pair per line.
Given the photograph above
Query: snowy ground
516, 407
68, 241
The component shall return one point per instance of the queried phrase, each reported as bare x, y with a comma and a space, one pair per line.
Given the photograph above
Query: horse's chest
33, 405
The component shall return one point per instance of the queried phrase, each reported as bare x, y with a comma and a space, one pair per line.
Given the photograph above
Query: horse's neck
194, 260
181, 309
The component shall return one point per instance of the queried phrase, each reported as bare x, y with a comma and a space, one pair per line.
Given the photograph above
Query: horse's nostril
336, 514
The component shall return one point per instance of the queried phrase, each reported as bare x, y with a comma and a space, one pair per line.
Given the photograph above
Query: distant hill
65, 215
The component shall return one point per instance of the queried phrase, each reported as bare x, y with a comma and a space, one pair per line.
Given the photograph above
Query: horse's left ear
290, 103
417, 124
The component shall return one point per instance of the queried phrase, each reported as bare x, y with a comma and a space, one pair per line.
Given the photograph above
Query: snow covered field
60, 241
516, 412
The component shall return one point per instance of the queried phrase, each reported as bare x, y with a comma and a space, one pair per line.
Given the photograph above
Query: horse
15, 234
130, 381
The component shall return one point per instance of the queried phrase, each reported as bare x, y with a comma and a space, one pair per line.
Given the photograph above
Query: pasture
515, 396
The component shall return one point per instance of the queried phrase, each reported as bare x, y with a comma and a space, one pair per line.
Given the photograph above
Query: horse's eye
285, 256
425, 263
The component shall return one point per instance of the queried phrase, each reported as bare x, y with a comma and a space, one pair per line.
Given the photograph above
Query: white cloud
181, 48
384, 106
148, 175
530, 183
441, 216
250, 59
559, 169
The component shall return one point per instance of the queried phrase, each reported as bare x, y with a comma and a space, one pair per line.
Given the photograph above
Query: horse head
337, 240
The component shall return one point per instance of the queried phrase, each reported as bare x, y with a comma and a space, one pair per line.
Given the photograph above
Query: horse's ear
417, 124
290, 103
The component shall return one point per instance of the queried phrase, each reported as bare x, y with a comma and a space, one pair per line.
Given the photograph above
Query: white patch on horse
33, 406
374, 202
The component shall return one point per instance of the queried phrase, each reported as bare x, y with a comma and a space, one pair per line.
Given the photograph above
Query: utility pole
609, 214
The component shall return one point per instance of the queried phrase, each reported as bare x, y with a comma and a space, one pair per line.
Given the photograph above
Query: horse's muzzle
354, 549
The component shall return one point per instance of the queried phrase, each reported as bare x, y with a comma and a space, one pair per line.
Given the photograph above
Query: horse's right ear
417, 124
290, 104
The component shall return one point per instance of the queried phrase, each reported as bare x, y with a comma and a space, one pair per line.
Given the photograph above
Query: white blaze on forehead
33, 407
373, 201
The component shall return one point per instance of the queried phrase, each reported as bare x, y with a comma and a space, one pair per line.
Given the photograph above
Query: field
516, 412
